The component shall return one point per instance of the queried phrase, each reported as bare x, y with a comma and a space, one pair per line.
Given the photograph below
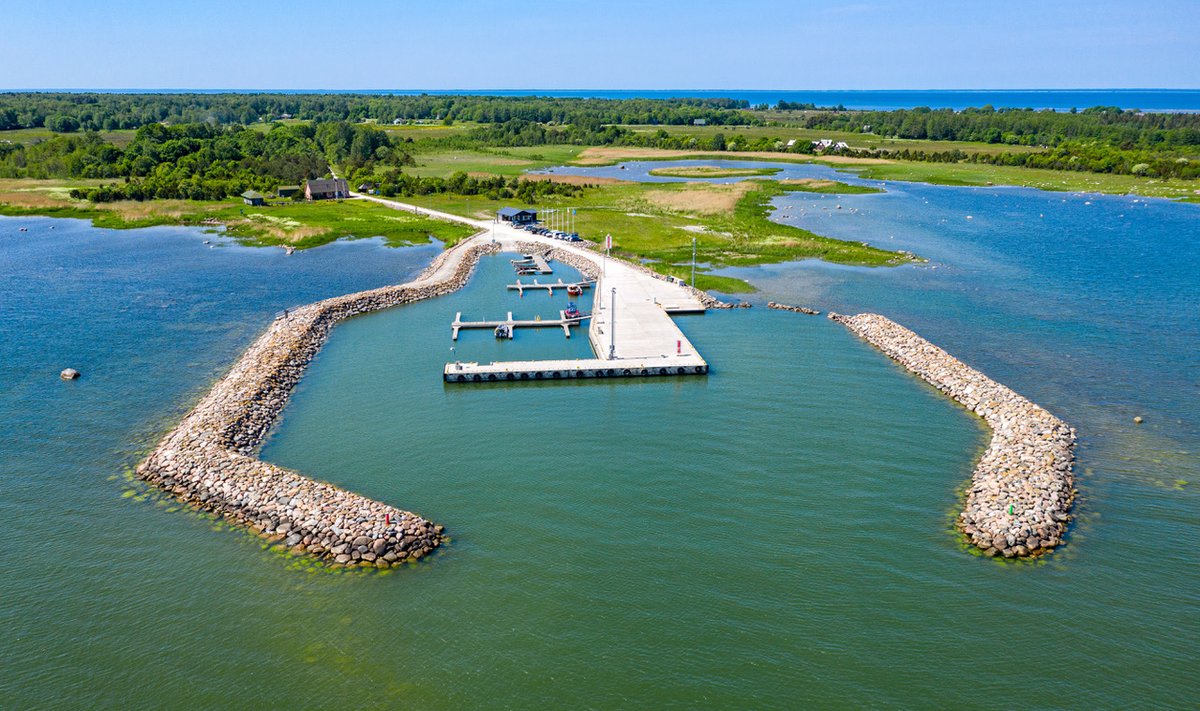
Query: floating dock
631, 329
630, 301
563, 321
522, 287
533, 264
517, 370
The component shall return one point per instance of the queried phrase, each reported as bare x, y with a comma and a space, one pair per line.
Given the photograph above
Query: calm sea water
775, 535
874, 99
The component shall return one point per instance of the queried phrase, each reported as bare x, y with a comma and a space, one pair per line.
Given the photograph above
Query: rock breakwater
207, 460
1019, 500
795, 309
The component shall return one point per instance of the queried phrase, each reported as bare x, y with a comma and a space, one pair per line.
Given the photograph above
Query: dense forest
1109, 125
202, 161
106, 112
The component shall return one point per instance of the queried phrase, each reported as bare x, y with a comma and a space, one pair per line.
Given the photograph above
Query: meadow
655, 223
296, 224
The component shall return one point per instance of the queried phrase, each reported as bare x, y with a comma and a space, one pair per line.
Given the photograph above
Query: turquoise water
775, 535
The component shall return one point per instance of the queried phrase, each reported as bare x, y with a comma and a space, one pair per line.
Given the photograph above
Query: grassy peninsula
656, 222
299, 225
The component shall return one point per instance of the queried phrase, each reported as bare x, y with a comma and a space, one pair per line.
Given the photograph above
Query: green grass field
419, 131
304, 225
508, 162
657, 222
300, 225
26, 136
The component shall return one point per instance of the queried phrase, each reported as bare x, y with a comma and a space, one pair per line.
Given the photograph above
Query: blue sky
470, 44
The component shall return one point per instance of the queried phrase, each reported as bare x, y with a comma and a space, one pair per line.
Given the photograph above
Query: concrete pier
631, 330
631, 326
515, 370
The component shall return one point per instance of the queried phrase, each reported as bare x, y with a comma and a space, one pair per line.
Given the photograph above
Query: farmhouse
326, 189
254, 199
286, 191
517, 216
827, 144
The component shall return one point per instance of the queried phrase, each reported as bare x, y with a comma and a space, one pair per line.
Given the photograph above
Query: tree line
202, 161
1112, 126
190, 145
526, 190
70, 112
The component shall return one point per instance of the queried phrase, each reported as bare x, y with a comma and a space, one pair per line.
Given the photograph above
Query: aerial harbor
483, 367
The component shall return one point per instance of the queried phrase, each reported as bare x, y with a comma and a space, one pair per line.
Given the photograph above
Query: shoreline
960, 175
1022, 487
207, 460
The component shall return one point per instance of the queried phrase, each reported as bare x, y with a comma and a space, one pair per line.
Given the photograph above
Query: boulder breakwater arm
794, 309
207, 459
1021, 491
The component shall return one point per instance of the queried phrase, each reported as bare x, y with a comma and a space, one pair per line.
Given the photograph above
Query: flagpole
607, 249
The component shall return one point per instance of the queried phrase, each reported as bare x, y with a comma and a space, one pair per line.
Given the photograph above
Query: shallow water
775, 535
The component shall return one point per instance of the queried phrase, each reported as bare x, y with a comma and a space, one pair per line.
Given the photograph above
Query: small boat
504, 331
572, 311
574, 290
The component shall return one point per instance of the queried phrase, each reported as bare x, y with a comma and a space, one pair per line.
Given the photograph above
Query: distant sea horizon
1157, 100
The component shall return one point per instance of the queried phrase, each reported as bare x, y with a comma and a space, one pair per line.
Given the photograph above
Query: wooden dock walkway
521, 286
564, 322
